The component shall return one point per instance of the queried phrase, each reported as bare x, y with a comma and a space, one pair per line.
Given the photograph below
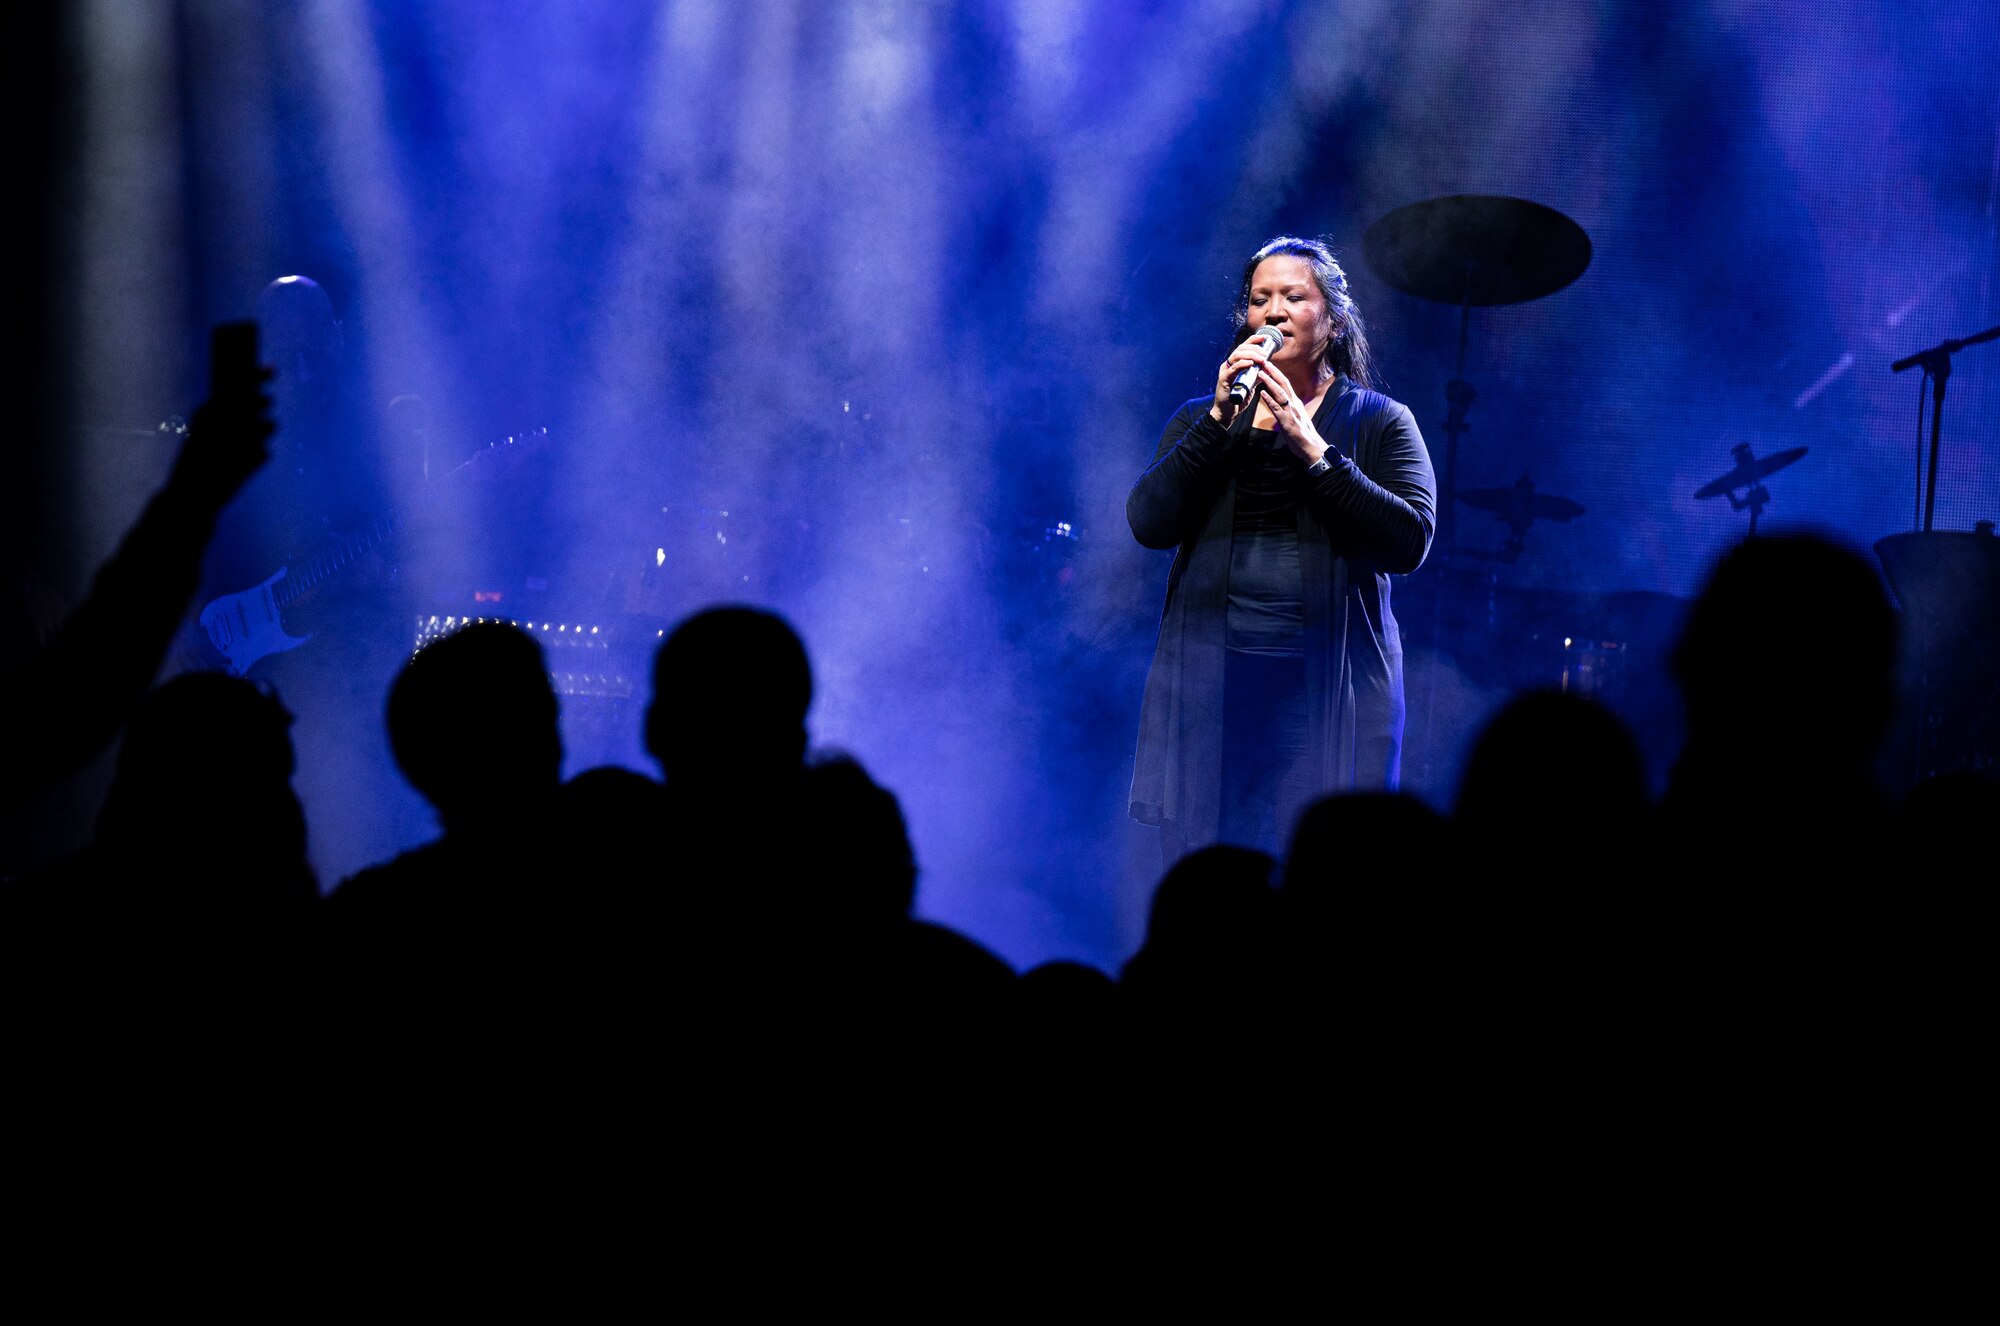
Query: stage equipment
1519, 507
1936, 363
1749, 473
599, 668
1948, 584
246, 627
1468, 249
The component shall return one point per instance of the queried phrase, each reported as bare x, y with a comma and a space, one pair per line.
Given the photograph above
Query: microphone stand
1936, 361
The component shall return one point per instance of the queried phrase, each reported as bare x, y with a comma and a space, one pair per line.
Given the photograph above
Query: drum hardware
1748, 474
1591, 667
1468, 249
1519, 507
1059, 538
1054, 551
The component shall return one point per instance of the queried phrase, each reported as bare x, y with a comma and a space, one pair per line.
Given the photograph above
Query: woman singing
1278, 674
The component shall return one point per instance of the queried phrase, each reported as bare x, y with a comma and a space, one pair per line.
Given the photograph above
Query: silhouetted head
731, 687
848, 831
1065, 1002
1350, 833
1216, 906
473, 724
295, 317
203, 785
1349, 867
1065, 981
1550, 765
1333, 338
608, 796
609, 824
1789, 656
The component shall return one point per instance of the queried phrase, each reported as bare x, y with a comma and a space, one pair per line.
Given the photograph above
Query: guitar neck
302, 577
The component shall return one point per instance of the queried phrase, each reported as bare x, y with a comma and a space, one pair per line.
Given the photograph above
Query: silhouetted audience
1579, 966
727, 724
1787, 668
174, 950
731, 687
1070, 1025
799, 871
1788, 965
62, 705
472, 722
456, 957
200, 828
1353, 913
1205, 973
1553, 777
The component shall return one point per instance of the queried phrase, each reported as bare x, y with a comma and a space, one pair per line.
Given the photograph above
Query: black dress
1368, 517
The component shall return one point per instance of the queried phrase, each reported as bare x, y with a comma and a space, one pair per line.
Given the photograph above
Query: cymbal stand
1459, 396
1754, 502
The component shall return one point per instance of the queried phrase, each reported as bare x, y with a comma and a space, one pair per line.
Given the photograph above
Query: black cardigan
1366, 518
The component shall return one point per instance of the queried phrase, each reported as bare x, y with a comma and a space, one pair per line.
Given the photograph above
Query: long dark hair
1347, 342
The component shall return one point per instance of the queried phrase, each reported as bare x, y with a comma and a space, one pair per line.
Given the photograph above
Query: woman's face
1283, 294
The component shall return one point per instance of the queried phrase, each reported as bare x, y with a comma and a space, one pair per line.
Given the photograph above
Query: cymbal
1477, 248
1521, 504
1749, 469
1537, 506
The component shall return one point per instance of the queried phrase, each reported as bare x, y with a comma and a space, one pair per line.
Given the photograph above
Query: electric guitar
247, 627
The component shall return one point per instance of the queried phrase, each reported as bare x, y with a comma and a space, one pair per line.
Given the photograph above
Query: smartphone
233, 370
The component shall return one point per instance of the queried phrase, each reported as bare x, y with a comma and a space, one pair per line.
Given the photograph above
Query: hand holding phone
230, 434
233, 370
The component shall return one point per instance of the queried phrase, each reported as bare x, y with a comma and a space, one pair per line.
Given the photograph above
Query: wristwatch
1322, 465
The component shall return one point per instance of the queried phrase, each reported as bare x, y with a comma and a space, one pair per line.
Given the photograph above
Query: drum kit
1482, 251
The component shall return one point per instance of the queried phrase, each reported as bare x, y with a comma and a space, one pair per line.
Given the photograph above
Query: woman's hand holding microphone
1289, 416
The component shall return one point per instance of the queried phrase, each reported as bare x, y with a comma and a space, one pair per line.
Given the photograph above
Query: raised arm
67, 705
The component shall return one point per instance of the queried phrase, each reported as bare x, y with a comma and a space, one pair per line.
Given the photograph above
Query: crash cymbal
1749, 469
1477, 248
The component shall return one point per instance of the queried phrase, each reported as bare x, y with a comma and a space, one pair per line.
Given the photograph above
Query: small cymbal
1538, 506
1749, 469
1478, 248
1521, 504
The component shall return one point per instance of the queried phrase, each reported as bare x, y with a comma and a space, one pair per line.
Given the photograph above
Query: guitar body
245, 628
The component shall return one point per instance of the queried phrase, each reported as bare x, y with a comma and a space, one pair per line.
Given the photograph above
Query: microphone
1245, 382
